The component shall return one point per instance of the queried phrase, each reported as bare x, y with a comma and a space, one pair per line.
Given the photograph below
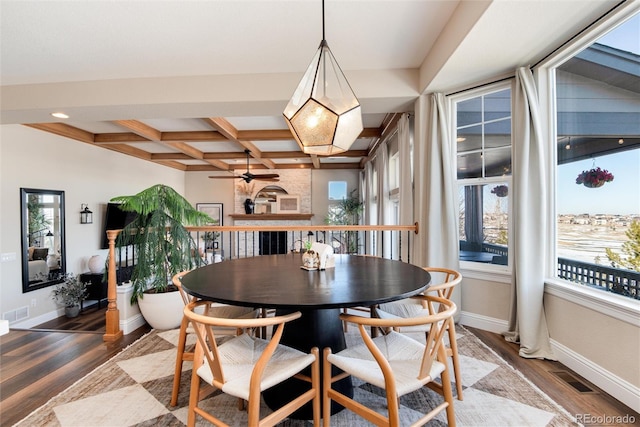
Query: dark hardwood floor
39, 363
575, 394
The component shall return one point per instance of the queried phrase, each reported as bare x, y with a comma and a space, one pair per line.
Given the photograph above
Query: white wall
199, 188
92, 175
35, 159
320, 189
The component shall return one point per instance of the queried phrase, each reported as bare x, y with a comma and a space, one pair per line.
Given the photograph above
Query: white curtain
382, 167
406, 180
527, 322
435, 186
369, 211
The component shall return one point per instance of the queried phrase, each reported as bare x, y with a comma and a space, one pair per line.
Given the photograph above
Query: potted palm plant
70, 293
163, 247
347, 212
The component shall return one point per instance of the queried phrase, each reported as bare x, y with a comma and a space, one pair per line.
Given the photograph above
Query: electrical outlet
8, 256
34, 302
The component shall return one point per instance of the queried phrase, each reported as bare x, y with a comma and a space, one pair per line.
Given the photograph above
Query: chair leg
194, 392
345, 325
447, 393
454, 356
182, 342
315, 383
326, 386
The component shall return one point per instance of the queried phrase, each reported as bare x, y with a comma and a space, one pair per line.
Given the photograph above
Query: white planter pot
162, 311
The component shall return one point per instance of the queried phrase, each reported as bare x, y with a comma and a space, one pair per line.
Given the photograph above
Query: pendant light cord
323, 20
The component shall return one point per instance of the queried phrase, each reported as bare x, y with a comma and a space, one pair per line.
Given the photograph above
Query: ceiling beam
118, 138
141, 129
155, 135
206, 168
64, 130
315, 161
301, 155
197, 154
284, 134
193, 136
223, 126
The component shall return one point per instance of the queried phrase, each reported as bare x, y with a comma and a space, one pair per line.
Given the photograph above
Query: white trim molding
491, 324
617, 387
130, 324
607, 303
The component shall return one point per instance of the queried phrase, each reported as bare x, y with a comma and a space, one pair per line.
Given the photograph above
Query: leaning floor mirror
43, 238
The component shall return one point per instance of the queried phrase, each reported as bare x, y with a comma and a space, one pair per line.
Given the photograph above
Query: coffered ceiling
192, 84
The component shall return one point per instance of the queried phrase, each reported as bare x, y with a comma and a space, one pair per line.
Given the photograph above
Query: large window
483, 139
598, 162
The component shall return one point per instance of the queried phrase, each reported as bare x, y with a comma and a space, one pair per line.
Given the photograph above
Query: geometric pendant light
324, 114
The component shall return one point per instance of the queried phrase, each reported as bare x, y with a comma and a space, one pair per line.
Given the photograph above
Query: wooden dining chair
216, 309
245, 366
445, 280
394, 362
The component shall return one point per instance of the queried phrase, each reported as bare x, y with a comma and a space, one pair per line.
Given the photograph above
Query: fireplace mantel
271, 217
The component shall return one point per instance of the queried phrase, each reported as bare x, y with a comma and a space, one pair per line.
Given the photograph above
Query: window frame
607, 303
452, 102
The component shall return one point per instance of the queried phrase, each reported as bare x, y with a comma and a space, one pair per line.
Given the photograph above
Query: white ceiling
168, 64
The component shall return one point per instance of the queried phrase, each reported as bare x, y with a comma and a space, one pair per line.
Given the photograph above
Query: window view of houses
598, 163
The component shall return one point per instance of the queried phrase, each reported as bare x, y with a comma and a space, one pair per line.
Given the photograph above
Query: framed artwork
214, 210
287, 203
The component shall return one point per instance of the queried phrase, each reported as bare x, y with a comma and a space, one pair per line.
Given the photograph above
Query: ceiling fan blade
248, 176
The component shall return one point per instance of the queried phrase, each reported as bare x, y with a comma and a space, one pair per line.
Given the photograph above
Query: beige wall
602, 346
320, 189
606, 341
485, 298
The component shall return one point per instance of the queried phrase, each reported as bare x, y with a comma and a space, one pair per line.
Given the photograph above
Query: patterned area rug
134, 389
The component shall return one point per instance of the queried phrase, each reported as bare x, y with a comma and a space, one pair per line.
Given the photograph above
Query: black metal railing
616, 280
393, 242
500, 252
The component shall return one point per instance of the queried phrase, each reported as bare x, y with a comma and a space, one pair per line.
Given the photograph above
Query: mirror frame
24, 229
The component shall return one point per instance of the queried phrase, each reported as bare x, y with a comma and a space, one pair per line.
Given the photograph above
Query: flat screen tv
115, 219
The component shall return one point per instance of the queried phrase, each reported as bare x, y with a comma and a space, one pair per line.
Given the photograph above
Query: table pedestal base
315, 328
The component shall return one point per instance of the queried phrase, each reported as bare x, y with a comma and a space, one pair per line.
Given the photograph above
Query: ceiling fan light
324, 114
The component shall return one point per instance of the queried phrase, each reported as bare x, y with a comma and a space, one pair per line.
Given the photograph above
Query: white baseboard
4, 327
131, 324
126, 325
485, 323
617, 387
35, 321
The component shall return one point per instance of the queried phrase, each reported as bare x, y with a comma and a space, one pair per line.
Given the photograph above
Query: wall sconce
86, 216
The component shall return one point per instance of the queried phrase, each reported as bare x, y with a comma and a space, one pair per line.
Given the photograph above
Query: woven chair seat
239, 355
404, 355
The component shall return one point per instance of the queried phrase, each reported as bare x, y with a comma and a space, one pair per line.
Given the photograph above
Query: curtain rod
481, 85
588, 27
549, 54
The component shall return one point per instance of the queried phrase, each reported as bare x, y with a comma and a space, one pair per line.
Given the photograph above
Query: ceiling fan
248, 176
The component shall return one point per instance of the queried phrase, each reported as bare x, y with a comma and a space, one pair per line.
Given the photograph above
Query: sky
624, 37
622, 195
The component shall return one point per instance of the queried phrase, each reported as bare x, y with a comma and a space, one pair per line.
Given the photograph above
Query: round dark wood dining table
279, 282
